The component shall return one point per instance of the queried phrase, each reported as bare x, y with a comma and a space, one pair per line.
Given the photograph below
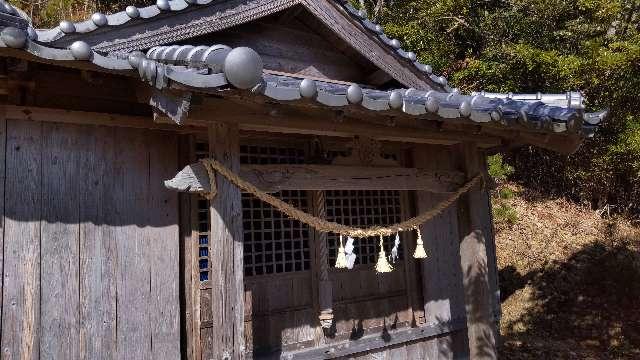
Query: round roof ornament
132, 12
379, 29
163, 5
243, 68
308, 88
99, 19
432, 105
354, 94
442, 80
13, 37
395, 43
496, 115
476, 100
142, 65
396, 99
465, 108
150, 71
427, 69
412, 56
135, 58
67, 27
81, 50
215, 57
362, 14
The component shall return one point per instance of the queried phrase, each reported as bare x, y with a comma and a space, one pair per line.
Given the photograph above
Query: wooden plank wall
91, 243
367, 301
290, 47
442, 276
281, 311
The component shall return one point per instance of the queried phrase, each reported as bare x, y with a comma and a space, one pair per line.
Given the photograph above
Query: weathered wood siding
442, 276
90, 243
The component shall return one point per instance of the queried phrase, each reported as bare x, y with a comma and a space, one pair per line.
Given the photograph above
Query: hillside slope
570, 281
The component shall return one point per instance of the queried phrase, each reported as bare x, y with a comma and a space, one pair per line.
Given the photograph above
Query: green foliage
549, 46
506, 193
498, 169
504, 214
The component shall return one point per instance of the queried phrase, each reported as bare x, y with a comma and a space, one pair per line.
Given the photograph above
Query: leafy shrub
504, 213
506, 193
498, 169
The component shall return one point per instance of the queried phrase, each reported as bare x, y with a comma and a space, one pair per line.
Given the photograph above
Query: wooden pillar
325, 292
188, 261
227, 248
3, 153
476, 262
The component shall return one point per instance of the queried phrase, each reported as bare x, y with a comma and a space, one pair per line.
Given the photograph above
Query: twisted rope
325, 226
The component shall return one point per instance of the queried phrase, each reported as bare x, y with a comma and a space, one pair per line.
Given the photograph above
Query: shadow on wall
585, 307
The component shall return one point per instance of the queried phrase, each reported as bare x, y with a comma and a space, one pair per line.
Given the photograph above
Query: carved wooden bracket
365, 151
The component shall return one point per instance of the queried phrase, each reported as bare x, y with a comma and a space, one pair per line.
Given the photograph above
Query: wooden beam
32, 113
252, 115
227, 273
477, 263
260, 119
375, 341
277, 120
274, 178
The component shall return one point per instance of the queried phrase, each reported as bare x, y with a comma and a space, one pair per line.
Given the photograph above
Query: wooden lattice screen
274, 244
363, 208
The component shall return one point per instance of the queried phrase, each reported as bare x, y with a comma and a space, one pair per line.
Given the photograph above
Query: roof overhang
557, 122
181, 20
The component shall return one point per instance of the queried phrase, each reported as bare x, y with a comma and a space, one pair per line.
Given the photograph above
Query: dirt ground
570, 281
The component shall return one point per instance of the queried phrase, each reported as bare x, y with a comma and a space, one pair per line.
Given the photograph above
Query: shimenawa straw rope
323, 225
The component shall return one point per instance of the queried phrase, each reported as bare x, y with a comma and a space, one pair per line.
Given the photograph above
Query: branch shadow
584, 307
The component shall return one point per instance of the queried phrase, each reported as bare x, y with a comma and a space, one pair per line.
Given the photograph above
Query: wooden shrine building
118, 242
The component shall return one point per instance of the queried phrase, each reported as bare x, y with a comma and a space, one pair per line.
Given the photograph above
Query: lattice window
364, 209
204, 266
264, 155
274, 244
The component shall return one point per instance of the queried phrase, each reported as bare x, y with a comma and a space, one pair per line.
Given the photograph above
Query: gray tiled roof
206, 69
99, 20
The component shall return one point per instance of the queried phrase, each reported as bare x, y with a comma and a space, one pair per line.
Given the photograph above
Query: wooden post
227, 248
325, 294
476, 262
188, 260
3, 153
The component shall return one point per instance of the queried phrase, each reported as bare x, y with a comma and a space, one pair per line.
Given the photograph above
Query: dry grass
570, 282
